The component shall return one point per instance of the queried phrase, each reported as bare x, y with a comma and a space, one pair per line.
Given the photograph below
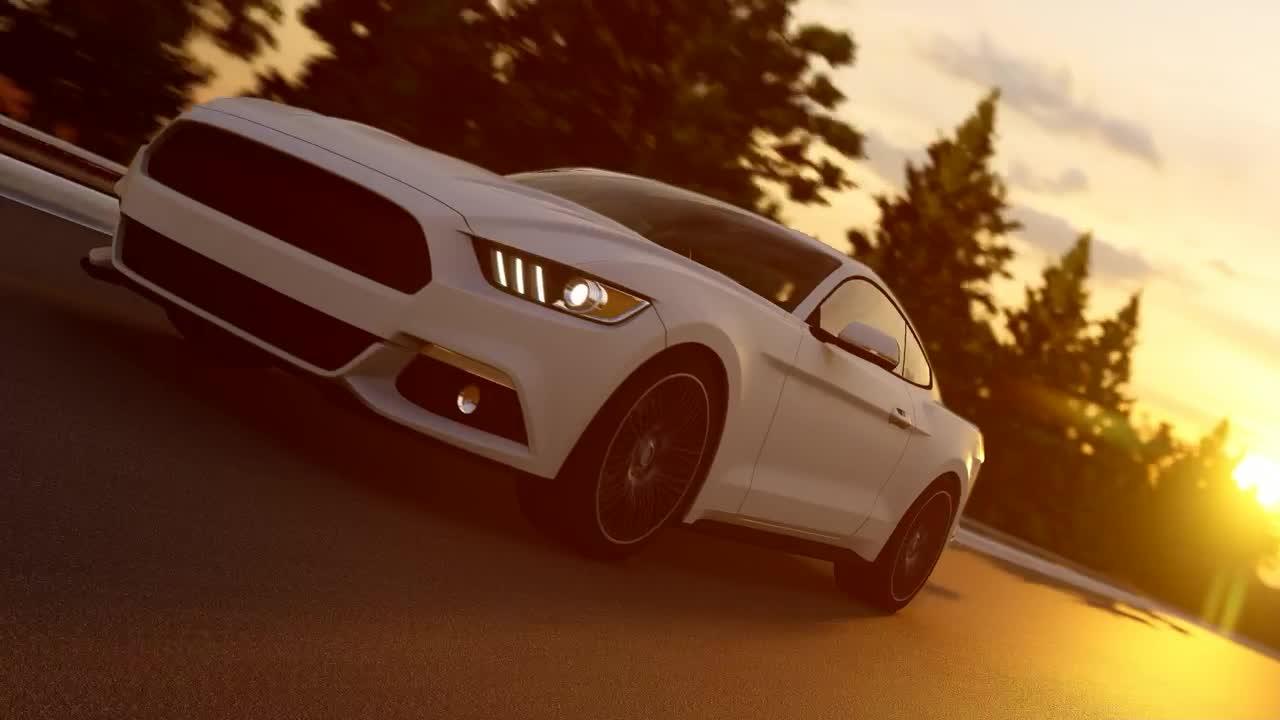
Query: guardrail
58, 156
54, 175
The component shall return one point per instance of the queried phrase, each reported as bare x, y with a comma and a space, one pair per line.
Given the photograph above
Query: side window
861, 301
914, 365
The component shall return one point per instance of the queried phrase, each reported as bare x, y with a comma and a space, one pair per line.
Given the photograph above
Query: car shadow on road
937, 589
1146, 616
706, 576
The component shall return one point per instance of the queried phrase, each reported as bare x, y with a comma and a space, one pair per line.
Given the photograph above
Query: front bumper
561, 368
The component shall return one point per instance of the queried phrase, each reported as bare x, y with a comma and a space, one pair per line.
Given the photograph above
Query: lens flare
1262, 475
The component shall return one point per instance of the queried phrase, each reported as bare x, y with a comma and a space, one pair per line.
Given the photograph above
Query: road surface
183, 541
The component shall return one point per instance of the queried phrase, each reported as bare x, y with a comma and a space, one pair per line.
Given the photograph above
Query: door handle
899, 417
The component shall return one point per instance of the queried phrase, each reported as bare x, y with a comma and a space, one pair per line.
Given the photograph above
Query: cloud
1259, 339
1240, 274
1043, 94
1055, 235
1070, 180
889, 160
1050, 233
1223, 267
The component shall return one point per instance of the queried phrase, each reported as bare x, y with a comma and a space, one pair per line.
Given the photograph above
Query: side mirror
875, 345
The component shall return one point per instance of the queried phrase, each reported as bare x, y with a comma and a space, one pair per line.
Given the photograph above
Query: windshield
769, 260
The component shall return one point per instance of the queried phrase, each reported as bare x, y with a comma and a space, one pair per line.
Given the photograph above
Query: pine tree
1034, 427
941, 245
1112, 358
1049, 330
108, 73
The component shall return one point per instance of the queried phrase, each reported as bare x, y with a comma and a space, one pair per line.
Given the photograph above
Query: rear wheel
907, 560
641, 458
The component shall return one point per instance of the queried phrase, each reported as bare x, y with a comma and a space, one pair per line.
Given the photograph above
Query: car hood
493, 206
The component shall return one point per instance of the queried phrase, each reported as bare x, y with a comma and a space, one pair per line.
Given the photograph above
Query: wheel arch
679, 355
691, 352
893, 507
949, 480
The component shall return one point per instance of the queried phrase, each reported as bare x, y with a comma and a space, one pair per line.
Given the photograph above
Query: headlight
554, 285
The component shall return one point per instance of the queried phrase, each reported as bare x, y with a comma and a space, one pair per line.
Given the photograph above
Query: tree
1049, 330
1200, 528
1107, 374
421, 69
719, 96
107, 74
1067, 465
943, 239
1034, 445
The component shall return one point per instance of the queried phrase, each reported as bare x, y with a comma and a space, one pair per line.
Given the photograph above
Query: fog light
468, 399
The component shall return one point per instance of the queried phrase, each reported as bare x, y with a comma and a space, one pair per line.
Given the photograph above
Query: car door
841, 425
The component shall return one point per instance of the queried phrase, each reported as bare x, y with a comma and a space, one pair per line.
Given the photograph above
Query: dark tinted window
769, 260
860, 301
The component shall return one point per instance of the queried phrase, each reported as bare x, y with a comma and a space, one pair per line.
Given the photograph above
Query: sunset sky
1156, 125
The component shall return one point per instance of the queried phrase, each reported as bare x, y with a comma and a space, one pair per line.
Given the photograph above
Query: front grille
433, 385
294, 201
278, 320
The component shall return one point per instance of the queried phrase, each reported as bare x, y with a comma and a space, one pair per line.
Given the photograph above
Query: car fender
755, 341
941, 443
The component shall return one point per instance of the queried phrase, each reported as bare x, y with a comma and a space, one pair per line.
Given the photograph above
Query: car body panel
493, 206
831, 447
527, 342
756, 342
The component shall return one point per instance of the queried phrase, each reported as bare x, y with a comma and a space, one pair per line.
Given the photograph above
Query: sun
1261, 474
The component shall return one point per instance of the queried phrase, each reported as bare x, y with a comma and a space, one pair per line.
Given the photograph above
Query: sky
1153, 124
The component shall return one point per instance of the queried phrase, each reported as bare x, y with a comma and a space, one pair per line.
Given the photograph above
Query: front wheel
644, 454
907, 560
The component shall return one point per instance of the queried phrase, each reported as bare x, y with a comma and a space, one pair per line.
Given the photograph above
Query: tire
908, 558
637, 464
214, 343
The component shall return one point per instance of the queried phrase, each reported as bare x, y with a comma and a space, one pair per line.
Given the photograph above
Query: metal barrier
58, 156
54, 175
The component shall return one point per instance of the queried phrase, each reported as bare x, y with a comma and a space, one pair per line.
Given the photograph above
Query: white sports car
639, 353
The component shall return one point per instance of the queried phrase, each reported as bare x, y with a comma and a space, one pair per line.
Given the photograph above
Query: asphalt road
179, 540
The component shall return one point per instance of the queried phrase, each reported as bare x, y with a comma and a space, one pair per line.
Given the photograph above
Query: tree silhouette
1060, 414
1109, 371
948, 227
1200, 526
1067, 467
423, 70
107, 74
1034, 422
1049, 330
718, 96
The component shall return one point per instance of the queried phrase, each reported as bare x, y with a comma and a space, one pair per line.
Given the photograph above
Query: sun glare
1261, 474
